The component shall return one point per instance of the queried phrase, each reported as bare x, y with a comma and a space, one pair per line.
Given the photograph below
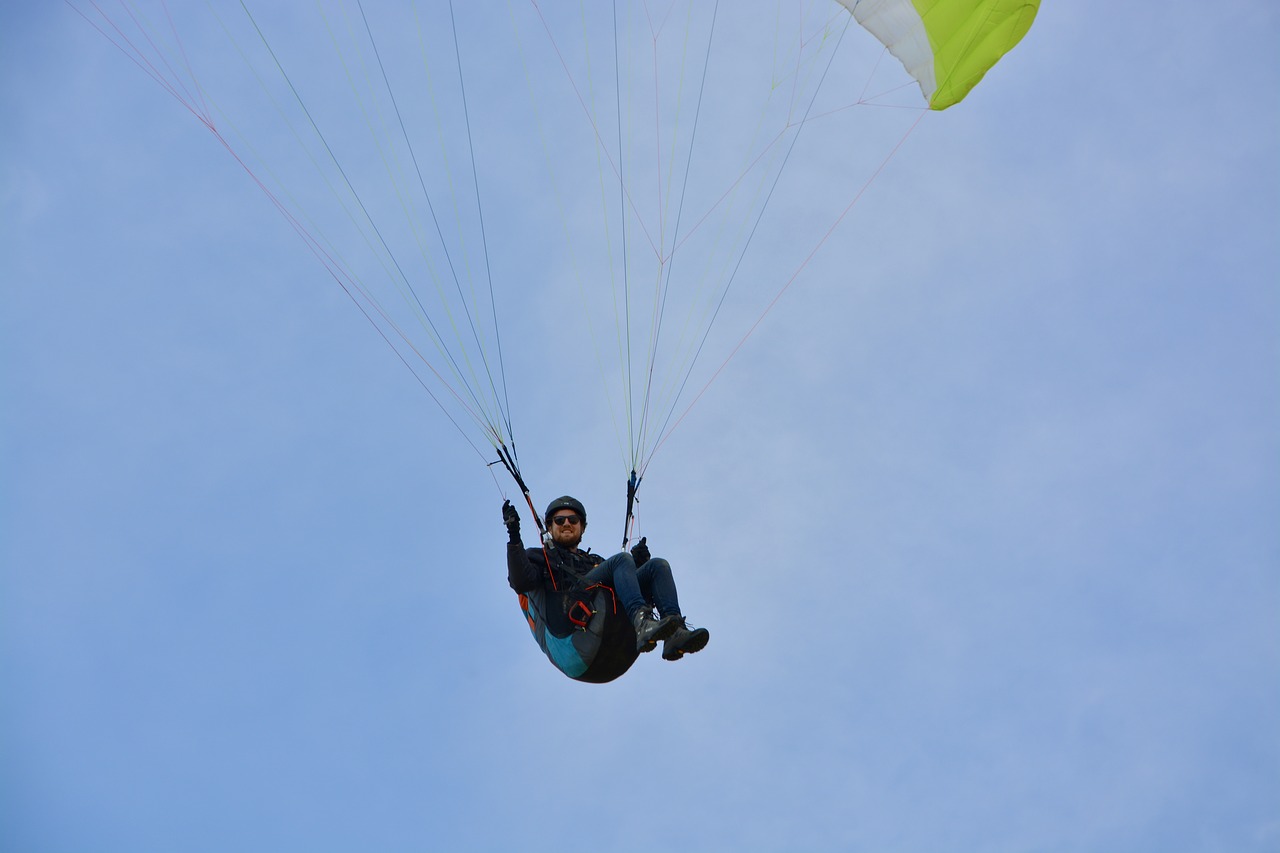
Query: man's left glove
641, 552
511, 519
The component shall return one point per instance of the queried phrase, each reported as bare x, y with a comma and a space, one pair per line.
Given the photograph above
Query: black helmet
565, 502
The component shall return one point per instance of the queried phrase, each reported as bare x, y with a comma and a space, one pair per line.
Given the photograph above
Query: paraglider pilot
640, 581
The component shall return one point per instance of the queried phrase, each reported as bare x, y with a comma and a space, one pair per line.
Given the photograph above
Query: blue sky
982, 518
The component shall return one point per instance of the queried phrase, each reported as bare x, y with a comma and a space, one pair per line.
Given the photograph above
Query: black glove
511, 519
641, 552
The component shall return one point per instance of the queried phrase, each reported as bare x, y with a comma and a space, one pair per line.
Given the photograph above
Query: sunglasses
566, 519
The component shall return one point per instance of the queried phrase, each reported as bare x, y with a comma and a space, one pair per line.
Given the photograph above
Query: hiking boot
649, 630
684, 641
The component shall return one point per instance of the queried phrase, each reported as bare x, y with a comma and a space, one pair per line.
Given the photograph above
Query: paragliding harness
590, 639
580, 628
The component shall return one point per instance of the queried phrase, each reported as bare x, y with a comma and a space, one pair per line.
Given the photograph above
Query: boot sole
697, 642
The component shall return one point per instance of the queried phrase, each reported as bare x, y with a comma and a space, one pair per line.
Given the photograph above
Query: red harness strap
581, 607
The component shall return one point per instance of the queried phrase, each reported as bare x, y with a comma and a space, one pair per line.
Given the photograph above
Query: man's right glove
641, 552
511, 519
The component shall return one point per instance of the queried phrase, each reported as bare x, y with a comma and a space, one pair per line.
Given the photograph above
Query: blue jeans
651, 584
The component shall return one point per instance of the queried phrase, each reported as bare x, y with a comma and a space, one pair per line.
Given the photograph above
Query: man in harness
559, 573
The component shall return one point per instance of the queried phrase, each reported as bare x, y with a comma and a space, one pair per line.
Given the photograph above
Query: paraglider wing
946, 45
